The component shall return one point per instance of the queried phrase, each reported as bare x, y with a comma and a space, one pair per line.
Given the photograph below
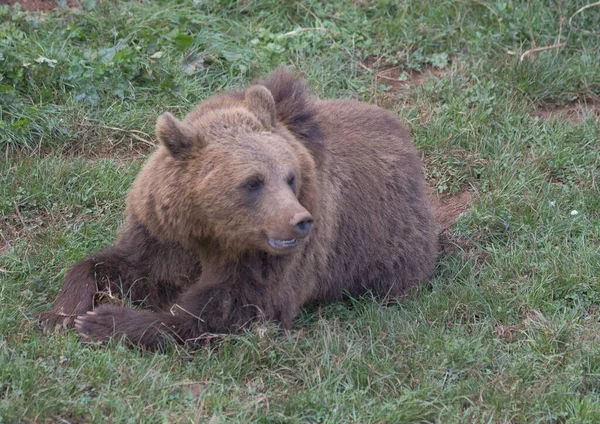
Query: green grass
507, 331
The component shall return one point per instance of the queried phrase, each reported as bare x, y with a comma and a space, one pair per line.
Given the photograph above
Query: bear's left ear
260, 102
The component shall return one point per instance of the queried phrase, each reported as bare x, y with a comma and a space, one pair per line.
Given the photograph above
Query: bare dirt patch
39, 5
399, 83
448, 209
96, 141
574, 112
398, 79
122, 153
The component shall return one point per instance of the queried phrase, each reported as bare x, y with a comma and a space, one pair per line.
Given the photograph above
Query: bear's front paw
137, 327
101, 324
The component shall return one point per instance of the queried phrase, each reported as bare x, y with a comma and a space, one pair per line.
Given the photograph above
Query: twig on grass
311, 13
560, 27
587, 6
540, 49
296, 31
133, 134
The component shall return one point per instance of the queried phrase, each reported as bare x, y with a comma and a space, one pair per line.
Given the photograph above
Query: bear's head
230, 176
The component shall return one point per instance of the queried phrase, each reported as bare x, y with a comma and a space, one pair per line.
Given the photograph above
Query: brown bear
257, 203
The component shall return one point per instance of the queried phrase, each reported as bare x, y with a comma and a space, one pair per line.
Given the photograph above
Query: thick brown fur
258, 203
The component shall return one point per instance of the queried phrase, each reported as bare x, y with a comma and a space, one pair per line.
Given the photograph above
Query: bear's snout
302, 222
288, 237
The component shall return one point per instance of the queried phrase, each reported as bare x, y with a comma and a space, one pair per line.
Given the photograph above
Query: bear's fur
259, 202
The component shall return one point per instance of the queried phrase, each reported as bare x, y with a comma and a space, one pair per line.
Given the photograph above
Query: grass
507, 331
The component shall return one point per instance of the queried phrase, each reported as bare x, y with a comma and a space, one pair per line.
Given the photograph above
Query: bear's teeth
283, 243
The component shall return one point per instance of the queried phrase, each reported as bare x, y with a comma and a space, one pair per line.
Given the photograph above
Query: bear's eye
292, 182
253, 185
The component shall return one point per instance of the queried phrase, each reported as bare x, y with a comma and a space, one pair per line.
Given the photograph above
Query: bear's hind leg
388, 280
105, 271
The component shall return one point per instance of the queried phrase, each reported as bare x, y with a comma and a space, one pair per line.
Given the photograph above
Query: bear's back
373, 190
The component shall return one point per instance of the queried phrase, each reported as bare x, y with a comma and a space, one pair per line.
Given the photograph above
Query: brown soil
122, 153
574, 112
104, 142
400, 83
448, 209
396, 78
39, 5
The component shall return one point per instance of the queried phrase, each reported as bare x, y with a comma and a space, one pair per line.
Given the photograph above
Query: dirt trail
574, 112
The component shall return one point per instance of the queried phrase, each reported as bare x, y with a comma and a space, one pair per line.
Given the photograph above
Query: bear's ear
175, 135
259, 101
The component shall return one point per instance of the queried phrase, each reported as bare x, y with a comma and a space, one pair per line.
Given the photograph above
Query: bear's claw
99, 325
51, 322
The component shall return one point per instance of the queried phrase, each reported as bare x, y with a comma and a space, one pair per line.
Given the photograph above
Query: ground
40, 5
507, 331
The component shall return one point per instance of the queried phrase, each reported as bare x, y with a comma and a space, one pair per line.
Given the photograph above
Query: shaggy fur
259, 202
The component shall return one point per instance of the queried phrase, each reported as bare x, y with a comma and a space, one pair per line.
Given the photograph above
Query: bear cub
260, 201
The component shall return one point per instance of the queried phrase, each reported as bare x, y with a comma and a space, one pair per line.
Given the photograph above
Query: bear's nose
302, 223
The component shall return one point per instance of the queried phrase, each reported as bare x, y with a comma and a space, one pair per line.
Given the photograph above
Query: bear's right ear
175, 135
260, 102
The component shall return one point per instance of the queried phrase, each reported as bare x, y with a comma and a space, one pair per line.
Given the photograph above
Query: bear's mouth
282, 244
